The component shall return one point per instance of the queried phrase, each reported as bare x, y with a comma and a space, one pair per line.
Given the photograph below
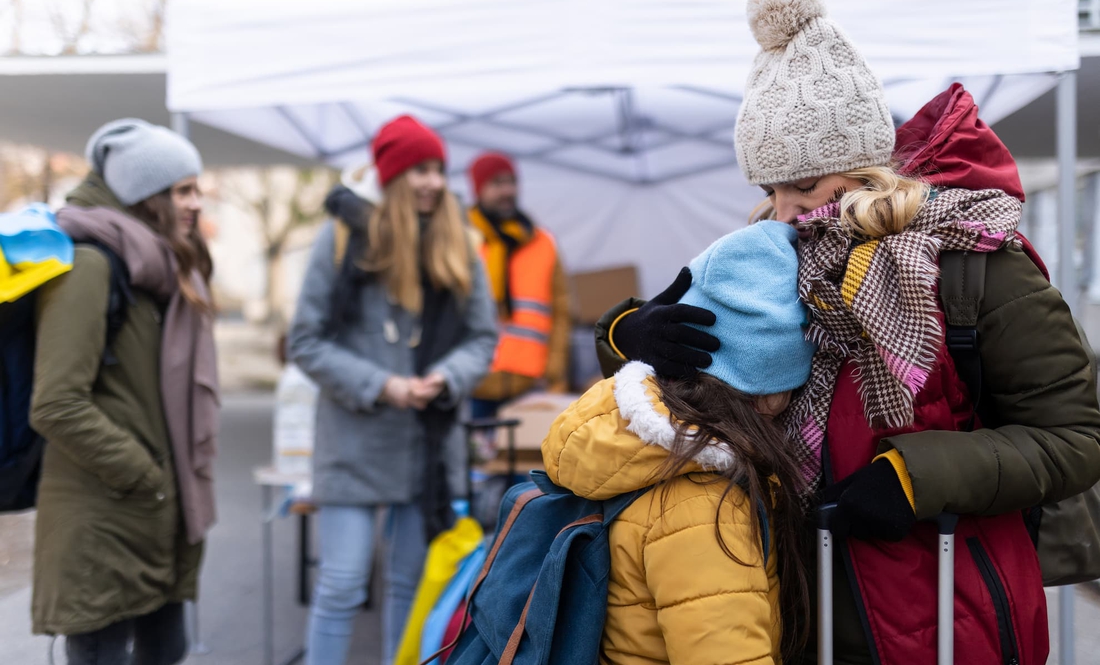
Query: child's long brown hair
159, 213
708, 412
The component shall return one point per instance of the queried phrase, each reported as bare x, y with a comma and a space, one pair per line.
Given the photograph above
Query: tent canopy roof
619, 112
639, 91
254, 53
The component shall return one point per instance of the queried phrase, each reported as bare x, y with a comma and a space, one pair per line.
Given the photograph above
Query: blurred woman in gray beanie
128, 405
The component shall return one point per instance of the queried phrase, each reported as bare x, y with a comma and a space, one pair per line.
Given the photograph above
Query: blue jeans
347, 547
482, 409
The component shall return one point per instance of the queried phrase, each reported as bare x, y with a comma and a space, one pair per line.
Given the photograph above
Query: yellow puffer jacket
674, 596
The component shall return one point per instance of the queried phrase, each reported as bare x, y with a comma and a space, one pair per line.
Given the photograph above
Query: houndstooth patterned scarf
874, 302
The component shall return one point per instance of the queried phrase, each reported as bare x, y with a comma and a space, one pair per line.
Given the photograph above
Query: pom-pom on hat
812, 105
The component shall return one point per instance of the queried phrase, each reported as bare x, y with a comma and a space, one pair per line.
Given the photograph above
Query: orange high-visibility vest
524, 346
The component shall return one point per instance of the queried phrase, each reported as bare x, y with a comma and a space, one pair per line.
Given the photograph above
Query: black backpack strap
962, 289
121, 296
350, 245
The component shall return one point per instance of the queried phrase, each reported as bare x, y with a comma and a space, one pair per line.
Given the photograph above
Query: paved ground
230, 609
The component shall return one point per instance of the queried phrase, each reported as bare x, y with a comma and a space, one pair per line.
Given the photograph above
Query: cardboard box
596, 292
537, 412
526, 462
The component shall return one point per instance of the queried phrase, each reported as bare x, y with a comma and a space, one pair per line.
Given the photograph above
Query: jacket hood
348, 206
614, 439
947, 145
93, 192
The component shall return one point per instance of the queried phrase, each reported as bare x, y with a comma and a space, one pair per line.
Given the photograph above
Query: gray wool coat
366, 453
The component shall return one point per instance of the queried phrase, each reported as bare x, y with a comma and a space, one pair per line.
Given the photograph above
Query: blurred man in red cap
528, 283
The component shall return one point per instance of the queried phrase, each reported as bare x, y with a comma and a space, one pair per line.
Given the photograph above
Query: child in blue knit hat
749, 280
696, 560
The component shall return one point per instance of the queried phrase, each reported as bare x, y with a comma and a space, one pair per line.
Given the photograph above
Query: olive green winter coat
110, 543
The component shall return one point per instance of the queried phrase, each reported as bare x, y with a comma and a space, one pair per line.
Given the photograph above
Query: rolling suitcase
945, 596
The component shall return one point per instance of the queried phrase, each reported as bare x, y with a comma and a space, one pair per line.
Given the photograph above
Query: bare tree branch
144, 30
281, 201
71, 39
155, 36
16, 27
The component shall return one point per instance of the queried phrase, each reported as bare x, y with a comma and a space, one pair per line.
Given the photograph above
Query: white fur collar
652, 427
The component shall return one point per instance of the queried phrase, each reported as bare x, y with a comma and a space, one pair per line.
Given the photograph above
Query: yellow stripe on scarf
859, 262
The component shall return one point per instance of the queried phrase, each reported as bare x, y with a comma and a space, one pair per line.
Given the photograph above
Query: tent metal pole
1066, 114
181, 124
1067, 239
1092, 237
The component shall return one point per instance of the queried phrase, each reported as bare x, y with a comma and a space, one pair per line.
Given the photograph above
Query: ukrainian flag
33, 250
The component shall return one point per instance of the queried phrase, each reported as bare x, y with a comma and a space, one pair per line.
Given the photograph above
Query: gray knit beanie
138, 160
812, 106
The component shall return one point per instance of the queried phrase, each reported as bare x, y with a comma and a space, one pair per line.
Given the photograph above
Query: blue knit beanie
749, 279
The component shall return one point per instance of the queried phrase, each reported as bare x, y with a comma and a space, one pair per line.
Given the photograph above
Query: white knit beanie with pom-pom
812, 106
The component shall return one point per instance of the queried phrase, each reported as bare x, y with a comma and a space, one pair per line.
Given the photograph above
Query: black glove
658, 334
870, 504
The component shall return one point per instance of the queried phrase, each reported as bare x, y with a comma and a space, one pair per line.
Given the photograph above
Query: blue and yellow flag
33, 250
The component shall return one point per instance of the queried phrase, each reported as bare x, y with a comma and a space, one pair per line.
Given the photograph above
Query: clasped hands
403, 392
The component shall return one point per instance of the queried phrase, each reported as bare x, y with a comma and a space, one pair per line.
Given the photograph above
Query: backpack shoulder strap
341, 239
342, 303
962, 289
120, 297
614, 507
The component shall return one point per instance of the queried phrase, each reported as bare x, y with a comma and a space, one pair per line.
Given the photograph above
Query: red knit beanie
487, 167
401, 144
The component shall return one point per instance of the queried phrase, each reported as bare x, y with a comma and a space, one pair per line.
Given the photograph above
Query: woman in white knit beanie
889, 426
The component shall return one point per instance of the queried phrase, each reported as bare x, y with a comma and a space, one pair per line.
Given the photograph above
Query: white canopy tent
619, 112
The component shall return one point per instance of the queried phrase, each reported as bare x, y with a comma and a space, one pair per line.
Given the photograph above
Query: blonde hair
883, 206
763, 210
395, 248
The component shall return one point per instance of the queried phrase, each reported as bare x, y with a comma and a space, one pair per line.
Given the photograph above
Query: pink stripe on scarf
814, 438
910, 375
987, 242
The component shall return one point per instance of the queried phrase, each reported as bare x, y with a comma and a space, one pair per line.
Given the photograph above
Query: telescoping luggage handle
945, 596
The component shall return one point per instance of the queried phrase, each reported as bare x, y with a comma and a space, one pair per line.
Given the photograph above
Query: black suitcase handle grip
945, 522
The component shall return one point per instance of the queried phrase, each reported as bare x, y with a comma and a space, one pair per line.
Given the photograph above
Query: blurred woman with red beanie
396, 325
